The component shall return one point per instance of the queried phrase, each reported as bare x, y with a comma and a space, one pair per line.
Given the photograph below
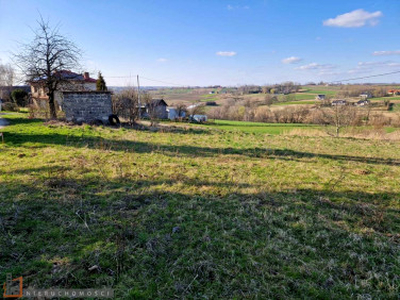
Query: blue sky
204, 42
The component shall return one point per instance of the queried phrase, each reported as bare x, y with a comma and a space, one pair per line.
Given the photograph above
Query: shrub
33, 111
19, 97
9, 106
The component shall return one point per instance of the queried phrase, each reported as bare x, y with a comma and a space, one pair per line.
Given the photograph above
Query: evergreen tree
101, 83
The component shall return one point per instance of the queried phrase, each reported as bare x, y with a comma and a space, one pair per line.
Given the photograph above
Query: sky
217, 42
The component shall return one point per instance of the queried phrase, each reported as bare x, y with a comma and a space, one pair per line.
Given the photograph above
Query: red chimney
86, 75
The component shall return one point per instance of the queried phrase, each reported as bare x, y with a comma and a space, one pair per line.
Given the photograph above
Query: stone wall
87, 106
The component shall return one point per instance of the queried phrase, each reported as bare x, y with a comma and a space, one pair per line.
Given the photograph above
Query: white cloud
315, 66
374, 66
291, 60
378, 64
231, 7
381, 53
356, 18
328, 73
226, 53
162, 59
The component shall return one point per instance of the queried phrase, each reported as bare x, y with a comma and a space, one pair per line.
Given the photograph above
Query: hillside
197, 212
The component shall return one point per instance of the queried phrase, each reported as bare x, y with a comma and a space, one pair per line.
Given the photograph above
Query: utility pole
138, 92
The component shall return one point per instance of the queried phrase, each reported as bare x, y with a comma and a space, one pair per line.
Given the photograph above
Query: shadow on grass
18, 121
266, 125
19, 139
136, 233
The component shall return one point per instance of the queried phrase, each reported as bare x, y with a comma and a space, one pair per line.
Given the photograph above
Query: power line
335, 81
150, 79
365, 77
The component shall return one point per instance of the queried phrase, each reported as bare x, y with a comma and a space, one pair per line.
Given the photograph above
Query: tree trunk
52, 107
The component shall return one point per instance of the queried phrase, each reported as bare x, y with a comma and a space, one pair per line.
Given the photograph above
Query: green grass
385, 98
255, 127
199, 213
296, 102
300, 96
209, 97
321, 91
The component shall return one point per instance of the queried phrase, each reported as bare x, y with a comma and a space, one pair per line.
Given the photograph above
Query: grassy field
329, 91
199, 213
300, 102
256, 127
301, 96
386, 98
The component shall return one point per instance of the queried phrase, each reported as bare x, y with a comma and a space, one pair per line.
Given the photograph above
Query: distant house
71, 82
366, 95
393, 92
174, 114
320, 97
198, 118
363, 102
157, 108
339, 102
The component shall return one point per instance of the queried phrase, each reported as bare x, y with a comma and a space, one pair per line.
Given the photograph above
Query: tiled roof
68, 75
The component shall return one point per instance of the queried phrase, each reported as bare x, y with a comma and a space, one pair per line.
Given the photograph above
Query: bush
19, 96
9, 106
33, 111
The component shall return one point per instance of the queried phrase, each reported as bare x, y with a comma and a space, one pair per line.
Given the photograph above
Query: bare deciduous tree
125, 104
181, 109
339, 116
196, 110
7, 76
42, 59
151, 108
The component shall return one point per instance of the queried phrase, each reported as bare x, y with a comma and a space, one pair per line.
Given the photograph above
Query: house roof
158, 102
68, 75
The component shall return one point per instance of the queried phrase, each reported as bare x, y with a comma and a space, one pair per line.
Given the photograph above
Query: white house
173, 113
199, 118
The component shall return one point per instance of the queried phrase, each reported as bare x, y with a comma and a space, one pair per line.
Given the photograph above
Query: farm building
363, 102
198, 118
339, 102
174, 114
157, 108
366, 95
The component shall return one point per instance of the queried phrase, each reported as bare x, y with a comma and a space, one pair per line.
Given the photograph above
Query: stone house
71, 81
87, 106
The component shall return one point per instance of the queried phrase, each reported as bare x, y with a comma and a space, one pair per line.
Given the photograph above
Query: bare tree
196, 110
339, 116
125, 104
151, 108
181, 109
269, 99
7, 76
43, 59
